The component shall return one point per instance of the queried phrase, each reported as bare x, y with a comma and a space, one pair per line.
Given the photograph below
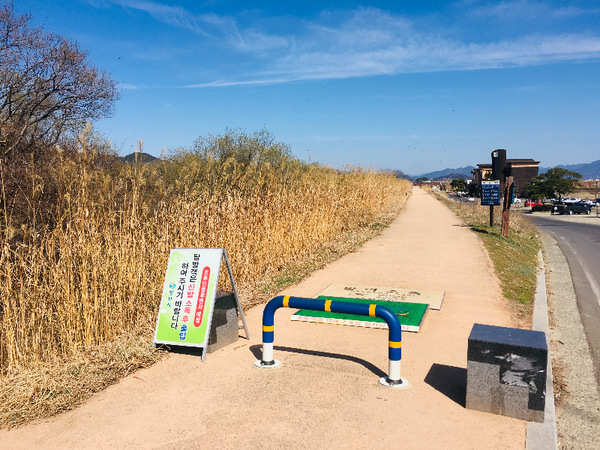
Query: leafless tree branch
47, 85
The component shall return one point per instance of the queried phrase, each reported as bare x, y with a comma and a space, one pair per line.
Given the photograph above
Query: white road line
586, 271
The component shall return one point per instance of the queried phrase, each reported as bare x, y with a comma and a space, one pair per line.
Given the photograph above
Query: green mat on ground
410, 315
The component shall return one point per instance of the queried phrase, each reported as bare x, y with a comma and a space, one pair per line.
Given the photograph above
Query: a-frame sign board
188, 298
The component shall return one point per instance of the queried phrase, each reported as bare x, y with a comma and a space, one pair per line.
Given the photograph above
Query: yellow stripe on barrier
328, 305
269, 328
286, 301
372, 310
395, 344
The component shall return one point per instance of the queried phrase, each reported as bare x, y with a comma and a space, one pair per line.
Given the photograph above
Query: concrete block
224, 327
506, 372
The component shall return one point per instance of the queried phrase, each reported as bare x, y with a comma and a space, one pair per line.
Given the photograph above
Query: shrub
541, 208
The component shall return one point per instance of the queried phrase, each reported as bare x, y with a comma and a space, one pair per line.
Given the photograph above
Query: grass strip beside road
515, 258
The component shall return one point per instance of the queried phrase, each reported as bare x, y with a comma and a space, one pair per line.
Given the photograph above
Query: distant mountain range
460, 172
589, 171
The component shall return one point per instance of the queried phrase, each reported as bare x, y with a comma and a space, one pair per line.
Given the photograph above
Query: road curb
543, 436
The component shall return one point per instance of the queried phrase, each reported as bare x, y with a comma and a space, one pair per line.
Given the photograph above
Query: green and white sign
188, 297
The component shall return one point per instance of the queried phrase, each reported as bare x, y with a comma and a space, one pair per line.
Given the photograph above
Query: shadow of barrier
257, 352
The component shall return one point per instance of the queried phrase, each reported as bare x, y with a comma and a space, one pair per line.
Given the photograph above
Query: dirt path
327, 394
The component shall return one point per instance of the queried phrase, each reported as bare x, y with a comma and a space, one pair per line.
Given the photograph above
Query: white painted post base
267, 362
260, 365
386, 382
394, 380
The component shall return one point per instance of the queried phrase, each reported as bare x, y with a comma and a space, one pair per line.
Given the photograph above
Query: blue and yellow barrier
395, 330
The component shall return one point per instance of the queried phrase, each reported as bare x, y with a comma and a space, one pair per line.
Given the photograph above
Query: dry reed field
588, 189
79, 291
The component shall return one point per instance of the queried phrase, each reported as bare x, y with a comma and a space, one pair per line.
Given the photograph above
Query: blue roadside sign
490, 193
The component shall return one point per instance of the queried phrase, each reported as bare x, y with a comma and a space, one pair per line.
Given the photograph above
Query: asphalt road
578, 237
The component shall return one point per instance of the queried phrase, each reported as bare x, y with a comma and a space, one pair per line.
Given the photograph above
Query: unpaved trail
327, 393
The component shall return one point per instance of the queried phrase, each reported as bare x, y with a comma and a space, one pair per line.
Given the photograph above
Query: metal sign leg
235, 293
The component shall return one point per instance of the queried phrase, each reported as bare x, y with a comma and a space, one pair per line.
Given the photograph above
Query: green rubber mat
410, 315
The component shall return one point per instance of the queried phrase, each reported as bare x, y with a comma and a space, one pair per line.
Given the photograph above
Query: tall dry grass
97, 272
81, 281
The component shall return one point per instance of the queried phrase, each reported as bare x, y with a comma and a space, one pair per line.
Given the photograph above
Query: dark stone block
508, 336
506, 371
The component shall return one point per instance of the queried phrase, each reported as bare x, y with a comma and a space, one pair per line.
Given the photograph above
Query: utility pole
498, 166
596, 199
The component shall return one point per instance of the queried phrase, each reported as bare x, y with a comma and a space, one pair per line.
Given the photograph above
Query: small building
522, 171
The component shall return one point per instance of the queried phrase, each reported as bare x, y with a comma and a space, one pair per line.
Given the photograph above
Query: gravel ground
576, 392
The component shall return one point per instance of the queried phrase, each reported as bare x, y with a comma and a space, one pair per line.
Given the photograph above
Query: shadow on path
450, 381
257, 352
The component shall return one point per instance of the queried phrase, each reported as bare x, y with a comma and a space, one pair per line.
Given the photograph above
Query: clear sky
411, 85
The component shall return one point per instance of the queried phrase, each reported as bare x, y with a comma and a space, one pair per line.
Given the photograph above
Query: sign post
490, 195
508, 186
188, 297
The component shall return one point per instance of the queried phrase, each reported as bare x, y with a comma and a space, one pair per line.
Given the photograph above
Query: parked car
533, 203
571, 208
570, 199
517, 200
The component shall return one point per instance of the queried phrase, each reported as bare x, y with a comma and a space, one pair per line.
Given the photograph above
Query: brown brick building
522, 171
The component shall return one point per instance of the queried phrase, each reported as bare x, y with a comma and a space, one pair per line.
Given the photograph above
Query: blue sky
411, 85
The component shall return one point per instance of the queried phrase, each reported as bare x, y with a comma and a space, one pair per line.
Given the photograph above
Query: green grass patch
515, 258
410, 315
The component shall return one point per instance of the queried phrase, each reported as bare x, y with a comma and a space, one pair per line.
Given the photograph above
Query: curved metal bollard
395, 330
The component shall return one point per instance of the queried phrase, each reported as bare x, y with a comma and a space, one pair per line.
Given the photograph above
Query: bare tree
48, 87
